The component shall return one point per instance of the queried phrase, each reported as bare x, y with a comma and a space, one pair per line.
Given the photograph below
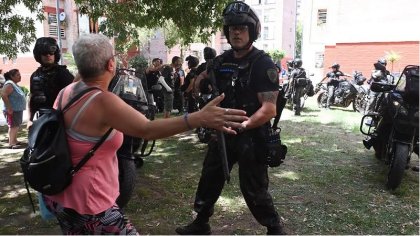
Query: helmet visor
237, 7
48, 49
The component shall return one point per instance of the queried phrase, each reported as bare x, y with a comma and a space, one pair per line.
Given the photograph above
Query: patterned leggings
111, 221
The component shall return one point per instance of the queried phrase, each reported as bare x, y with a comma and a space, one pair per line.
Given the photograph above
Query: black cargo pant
253, 179
299, 92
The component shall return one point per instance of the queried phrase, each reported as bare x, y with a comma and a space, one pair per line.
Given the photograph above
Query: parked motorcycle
130, 155
395, 133
346, 93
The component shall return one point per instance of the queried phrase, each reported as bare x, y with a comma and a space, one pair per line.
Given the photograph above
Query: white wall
377, 20
353, 21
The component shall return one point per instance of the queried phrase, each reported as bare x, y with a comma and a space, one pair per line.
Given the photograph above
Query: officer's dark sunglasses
237, 7
47, 53
49, 50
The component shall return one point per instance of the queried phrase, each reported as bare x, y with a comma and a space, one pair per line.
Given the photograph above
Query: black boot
197, 227
276, 230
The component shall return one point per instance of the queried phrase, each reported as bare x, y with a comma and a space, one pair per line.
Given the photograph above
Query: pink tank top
95, 187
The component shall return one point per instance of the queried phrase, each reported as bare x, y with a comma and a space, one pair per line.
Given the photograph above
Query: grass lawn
329, 184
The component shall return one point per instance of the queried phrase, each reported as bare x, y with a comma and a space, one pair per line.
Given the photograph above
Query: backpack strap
90, 153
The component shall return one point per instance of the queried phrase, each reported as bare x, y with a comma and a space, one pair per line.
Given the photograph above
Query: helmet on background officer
45, 46
335, 66
382, 61
297, 63
239, 13
209, 53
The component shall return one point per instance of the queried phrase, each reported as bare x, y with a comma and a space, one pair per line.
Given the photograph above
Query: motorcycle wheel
397, 165
322, 100
127, 179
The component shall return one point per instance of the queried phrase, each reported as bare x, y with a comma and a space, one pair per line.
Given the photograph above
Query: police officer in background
333, 81
379, 74
295, 85
209, 54
190, 102
47, 81
249, 80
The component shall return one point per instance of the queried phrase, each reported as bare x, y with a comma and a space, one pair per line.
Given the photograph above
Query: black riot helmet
382, 61
209, 53
239, 13
297, 63
46, 45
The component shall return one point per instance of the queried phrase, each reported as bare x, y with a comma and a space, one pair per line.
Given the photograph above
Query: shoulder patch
273, 76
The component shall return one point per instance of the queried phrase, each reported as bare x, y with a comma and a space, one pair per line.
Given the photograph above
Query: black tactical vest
234, 80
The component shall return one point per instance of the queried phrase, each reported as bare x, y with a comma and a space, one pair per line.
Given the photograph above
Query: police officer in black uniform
297, 84
186, 88
209, 54
249, 80
47, 81
333, 81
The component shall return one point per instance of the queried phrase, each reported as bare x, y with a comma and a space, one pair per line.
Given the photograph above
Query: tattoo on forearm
269, 97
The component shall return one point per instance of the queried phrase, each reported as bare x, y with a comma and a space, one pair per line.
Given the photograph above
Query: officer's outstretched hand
225, 119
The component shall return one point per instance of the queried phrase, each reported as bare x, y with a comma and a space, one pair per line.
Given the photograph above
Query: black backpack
46, 162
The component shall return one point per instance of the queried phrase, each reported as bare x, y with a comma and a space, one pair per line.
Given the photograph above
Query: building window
270, 1
4, 60
52, 26
319, 59
265, 33
268, 33
269, 15
322, 16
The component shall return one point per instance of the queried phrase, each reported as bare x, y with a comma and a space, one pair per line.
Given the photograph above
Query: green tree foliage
128, 21
277, 55
184, 21
392, 57
299, 30
139, 63
17, 31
